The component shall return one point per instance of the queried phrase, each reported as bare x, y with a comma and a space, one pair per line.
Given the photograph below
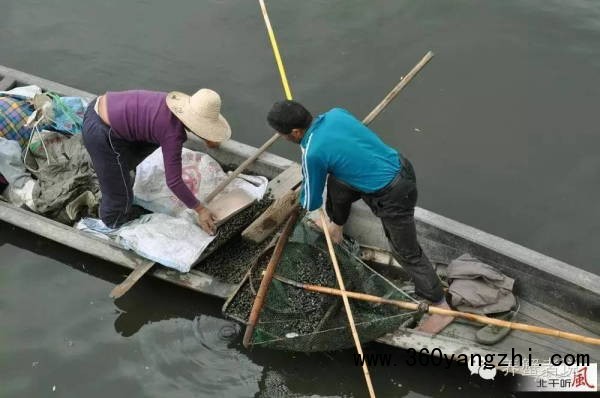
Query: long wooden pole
131, 279
442, 311
268, 276
240, 168
257, 232
343, 292
392, 94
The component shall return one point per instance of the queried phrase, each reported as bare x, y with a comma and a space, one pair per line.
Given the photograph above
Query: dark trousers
113, 159
395, 206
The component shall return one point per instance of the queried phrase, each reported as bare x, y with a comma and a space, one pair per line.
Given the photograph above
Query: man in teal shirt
339, 150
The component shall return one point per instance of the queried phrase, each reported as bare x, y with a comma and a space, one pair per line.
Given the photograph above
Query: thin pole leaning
268, 276
256, 231
344, 295
278, 60
403, 82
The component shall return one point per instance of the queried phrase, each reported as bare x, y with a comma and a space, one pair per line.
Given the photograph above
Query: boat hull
552, 293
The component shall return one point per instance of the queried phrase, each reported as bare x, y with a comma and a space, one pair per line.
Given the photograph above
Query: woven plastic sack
200, 172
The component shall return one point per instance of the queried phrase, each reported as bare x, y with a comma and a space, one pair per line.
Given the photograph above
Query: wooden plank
271, 218
287, 180
285, 190
131, 279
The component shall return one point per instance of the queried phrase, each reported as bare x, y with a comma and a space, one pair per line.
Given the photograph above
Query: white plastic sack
200, 173
175, 242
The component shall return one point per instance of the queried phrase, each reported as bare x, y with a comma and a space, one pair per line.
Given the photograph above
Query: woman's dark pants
113, 159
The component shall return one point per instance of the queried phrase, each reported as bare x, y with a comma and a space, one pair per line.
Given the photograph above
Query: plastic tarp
175, 242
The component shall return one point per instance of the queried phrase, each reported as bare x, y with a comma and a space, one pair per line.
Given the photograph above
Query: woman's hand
206, 219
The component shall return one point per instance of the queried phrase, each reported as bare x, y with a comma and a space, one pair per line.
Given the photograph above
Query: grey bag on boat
64, 173
478, 287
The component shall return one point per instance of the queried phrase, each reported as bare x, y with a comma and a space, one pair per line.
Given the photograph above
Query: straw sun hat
201, 113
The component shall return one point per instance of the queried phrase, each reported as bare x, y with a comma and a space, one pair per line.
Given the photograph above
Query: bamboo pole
240, 168
276, 54
392, 94
268, 276
443, 311
256, 231
344, 295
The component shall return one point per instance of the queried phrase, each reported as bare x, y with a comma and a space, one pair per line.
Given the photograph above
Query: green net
298, 320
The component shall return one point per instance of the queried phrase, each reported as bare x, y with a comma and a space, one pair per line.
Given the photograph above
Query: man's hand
206, 219
336, 232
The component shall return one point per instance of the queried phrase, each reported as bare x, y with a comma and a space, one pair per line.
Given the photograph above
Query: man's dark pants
394, 204
113, 159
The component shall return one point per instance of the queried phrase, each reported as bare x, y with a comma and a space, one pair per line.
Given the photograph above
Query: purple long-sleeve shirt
139, 115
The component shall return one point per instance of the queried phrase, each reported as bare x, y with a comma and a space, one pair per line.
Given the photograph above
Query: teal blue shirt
339, 144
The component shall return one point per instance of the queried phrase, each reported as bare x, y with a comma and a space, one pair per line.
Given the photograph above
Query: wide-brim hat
201, 114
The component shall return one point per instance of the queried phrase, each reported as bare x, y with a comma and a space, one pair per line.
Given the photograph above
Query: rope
35, 130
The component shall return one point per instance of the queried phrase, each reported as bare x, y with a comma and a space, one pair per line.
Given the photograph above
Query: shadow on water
159, 339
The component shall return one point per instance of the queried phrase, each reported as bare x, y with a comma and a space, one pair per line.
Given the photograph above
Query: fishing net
299, 320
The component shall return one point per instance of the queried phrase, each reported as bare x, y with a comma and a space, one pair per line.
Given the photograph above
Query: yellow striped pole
288, 95
278, 60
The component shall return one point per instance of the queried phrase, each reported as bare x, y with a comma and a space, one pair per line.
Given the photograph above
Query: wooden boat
551, 293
